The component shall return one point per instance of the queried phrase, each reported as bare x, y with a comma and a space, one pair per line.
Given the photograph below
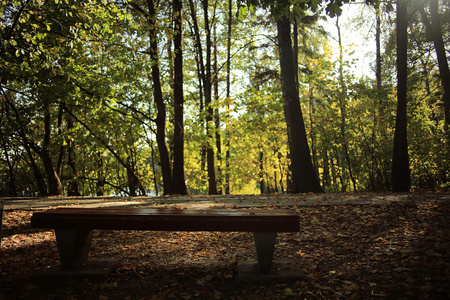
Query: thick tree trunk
304, 177
160, 105
42, 187
178, 180
401, 180
54, 184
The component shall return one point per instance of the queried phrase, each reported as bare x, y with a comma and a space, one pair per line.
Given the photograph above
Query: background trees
96, 98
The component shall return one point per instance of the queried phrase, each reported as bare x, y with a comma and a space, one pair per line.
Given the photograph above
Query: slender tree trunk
100, 185
179, 183
442, 57
201, 120
201, 76
326, 170
343, 107
73, 180
378, 46
227, 155
262, 185
105, 144
54, 184
27, 144
62, 149
212, 188
217, 116
304, 177
155, 179
11, 191
401, 180
161, 107
312, 125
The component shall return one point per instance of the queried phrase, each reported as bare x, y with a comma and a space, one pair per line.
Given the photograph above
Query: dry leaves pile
390, 251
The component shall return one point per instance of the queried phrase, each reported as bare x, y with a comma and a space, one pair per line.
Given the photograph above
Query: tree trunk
210, 159
401, 180
441, 56
178, 180
100, 185
227, 155
54, 184
262, 185
73, 180
304, 177
11, 190
160, 105
378, 46
120, 160
27, 144
217, 117
343, 106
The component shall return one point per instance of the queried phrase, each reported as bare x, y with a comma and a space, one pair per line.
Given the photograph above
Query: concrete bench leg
265, 245
261, 271
73, 247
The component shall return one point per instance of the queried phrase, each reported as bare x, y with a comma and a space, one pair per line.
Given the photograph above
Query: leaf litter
398, 250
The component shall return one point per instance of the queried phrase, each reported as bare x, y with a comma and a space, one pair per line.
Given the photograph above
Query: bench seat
74, 226
162, 219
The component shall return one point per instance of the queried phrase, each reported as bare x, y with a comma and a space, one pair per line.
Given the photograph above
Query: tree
436, 32
228, 92
178, 182
304, 177
151, 18
401, 180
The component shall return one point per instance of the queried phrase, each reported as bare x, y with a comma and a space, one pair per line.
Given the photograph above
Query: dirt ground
398, 248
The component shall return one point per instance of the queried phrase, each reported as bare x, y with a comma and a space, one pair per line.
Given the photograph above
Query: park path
228, 201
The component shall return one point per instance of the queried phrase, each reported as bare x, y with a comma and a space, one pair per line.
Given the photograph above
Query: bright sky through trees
357, 23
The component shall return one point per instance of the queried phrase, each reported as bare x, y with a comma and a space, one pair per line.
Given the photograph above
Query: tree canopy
135, 97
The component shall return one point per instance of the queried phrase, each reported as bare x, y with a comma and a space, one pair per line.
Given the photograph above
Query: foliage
77, 101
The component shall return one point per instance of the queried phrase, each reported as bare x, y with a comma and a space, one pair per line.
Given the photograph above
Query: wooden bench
74, 226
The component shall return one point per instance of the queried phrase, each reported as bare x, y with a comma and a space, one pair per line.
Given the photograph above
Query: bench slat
163, 219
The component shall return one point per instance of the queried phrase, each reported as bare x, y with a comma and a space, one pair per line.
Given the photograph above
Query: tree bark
178, 180
73, 189
54, 183
378, 47
401, 177
227, 154
210, 159
217, 117
441, 56
304, 177
160, 105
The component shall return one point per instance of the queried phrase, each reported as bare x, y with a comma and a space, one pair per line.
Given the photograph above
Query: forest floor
350, 247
